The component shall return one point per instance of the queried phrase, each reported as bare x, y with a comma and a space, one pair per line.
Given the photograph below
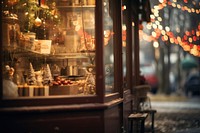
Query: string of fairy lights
189, 40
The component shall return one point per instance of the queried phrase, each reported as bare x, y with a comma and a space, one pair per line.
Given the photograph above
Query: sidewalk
193, 130
169, 98
176, 113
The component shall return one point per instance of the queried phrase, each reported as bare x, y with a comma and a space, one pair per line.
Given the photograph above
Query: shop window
49, 48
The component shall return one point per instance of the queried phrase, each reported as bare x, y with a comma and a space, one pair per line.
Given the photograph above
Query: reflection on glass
108, 47
124, 55
124, 43
48, 48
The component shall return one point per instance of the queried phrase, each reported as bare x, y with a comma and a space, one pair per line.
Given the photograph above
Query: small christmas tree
31, 75
47, 76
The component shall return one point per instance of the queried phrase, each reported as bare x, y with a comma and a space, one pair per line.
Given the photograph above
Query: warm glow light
186, 47
178, 6
171, 40
161, 6
198, 33
160, 27
124, 27
194, 38
165, 37
184, 7
187, 33
193, 32
159, 19
198, 47
167, 28
156, 7
153, 34
193, 10
173, 4
178, 30
185, 37
152, 16
155, 44
176, 41
148, 26
179, 39
154, 26
163, 32
156, 10
156, 14
157, 22
190, 40
186, 1
194, 51
187, 40
144, 37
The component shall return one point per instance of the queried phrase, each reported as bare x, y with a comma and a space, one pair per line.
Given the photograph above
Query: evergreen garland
31, 10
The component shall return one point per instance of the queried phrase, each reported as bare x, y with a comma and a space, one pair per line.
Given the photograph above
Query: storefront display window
49, 48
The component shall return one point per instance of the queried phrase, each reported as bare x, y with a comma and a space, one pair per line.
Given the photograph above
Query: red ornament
185, 1
185, 37
198, 47
187, 33
194, 38
191, 46
193, 32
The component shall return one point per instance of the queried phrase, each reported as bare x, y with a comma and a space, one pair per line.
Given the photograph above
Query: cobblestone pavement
177, 117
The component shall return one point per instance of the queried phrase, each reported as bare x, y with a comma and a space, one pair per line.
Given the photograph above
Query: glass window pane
124, 43
48, 48
124, 55
108, 47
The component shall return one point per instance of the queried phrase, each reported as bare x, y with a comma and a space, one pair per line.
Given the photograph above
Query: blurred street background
170, 47
176, 114
170, 62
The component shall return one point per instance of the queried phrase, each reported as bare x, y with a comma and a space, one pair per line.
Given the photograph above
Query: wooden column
136, 43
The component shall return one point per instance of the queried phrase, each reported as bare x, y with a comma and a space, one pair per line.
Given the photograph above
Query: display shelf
21, 51
76, 7
72, 55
